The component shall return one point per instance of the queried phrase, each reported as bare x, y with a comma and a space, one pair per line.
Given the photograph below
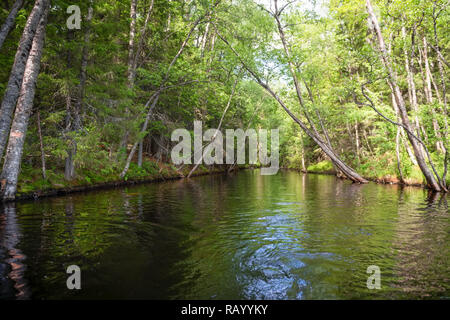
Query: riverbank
151, 171
34, 187
414, 178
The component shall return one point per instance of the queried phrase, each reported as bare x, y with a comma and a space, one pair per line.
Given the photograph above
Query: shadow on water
241, 236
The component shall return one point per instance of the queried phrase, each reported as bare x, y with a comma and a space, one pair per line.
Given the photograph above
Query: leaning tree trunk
11, 167
9, 23
349, 172
15, 79
341, 165
131, 69
392, 77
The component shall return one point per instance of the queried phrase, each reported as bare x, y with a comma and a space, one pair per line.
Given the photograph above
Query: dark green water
244, 236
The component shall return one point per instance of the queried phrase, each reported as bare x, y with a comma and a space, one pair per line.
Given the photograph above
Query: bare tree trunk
205, 38
131, 71
41, 145
429, 96
412, 93
10, 20
431, 180
349, 172
420, 128
441, 61
11, 167
15, 79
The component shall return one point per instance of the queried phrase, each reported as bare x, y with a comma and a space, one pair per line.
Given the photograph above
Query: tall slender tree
11, 166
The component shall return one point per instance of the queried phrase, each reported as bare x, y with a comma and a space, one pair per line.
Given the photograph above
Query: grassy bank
379, 172
32, 185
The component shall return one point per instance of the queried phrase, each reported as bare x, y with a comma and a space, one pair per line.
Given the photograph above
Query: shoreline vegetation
153, 171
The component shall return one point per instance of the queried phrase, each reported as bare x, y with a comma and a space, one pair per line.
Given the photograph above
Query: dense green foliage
332, 48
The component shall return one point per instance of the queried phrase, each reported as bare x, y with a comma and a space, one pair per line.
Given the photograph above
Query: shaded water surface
244, 236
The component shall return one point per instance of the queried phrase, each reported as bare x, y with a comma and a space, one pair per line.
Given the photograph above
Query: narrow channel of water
243, 236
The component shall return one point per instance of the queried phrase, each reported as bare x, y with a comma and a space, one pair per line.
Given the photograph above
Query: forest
92, 90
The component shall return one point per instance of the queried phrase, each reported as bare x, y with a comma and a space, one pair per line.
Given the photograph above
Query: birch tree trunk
11, 167
15, 79
412, 93
204, 40
441, 62
346, 170
302, 145
131, 45
431, 180
429, 96
10, 20
421, 129
131, 70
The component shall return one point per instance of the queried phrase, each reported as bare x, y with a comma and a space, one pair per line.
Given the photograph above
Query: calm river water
242, 236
